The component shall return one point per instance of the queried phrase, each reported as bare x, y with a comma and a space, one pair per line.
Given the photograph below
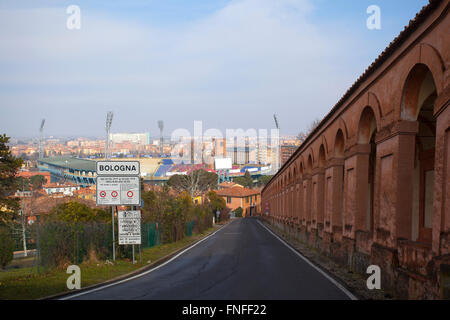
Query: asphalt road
243, 260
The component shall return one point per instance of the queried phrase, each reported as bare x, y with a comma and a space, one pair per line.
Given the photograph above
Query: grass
22, 284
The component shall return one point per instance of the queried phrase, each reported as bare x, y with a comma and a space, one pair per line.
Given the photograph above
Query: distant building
29, 174
138, 138
89, 193
286, 152
66, 189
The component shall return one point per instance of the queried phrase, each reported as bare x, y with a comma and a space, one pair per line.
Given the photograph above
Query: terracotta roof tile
238, 192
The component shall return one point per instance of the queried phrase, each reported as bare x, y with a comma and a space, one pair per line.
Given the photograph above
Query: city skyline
183, 62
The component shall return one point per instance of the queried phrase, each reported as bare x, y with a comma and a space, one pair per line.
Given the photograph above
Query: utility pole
109, 118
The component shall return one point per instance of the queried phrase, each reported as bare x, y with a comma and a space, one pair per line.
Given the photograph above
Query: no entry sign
129, 227
118, 183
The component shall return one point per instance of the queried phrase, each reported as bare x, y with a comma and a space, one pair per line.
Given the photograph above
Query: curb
130, 274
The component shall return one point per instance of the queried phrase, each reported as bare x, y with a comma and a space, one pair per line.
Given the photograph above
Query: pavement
241, 261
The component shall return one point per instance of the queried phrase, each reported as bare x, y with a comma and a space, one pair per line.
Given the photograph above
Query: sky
229, 63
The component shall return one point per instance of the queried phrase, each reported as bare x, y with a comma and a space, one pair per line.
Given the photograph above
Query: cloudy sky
229, 63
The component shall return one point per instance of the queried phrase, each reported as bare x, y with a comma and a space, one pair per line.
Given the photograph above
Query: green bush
238, 212
6, 247
63, 242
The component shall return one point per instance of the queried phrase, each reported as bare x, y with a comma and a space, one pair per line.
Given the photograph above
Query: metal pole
113, 235
133, 255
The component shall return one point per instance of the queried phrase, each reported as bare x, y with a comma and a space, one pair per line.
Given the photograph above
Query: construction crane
161, 139
109, 118
277, 125
276, 121
41, 139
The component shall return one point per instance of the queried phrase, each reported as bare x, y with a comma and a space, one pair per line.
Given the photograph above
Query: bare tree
304, 134
195, 183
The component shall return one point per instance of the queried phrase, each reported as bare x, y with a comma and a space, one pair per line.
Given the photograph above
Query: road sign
129, 227
118, 168
118, 191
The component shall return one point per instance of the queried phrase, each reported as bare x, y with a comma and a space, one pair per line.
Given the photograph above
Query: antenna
161, 139
41, 139
109, 118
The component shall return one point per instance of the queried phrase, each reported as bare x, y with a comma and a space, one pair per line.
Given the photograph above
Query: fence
61, 243
150, 235
189, 228
17, 236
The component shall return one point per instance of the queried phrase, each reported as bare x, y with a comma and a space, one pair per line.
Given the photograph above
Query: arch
367, 125
309, 164
419, 95
430, 57
372, 100
339, 144
322, 156
418, 87
343, 127
325, 144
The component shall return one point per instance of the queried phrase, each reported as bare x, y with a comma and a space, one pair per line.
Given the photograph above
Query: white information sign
129, 227
223, 163
118, 191
118, 168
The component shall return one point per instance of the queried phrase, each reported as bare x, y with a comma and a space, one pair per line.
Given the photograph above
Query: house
67, 188
248, 199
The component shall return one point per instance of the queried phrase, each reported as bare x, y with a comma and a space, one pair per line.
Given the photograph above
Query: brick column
307, 200
441, 212
356, 186
394, 181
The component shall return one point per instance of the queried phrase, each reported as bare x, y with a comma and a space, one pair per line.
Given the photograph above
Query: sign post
118, 183
130, 228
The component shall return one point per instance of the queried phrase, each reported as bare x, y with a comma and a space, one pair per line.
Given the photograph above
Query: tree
304, 134
263, 180
37, 182
217, 203
245, 181
9, 166
195, 183
238, 212
6, 247
75, 212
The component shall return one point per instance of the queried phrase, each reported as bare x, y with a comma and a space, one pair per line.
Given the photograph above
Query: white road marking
337, 284
143, 273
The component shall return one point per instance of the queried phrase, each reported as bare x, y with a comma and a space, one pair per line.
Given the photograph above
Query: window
228, 199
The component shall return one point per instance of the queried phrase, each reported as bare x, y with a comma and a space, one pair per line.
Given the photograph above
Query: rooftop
238, 192
71, 163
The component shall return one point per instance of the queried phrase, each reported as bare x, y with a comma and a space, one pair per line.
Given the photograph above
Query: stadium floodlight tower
161, 139
109, 118
41, 139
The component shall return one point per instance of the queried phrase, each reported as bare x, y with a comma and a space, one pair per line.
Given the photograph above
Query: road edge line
321, 271
132, 275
